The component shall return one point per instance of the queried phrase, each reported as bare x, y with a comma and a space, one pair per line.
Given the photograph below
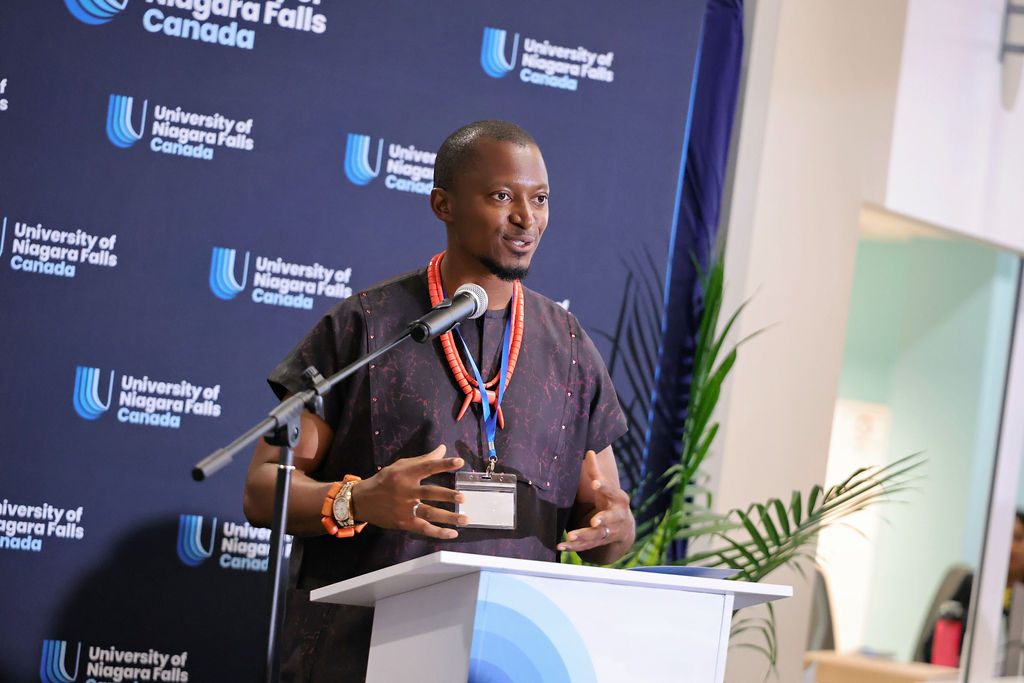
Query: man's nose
522, 214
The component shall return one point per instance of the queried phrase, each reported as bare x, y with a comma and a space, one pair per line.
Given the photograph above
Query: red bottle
949, 631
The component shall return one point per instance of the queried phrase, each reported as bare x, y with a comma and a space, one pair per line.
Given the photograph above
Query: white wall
812, 148
956, 153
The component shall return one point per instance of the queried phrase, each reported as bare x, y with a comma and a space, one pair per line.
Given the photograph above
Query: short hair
457, 151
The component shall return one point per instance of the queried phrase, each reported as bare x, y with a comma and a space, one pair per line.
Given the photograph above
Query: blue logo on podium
357, 159
95, 12
87, 393
190, 540
492, 53
546, 646
53, 664
119, 121
222, 273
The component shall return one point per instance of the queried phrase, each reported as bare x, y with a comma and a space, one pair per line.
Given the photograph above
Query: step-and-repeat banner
185, 187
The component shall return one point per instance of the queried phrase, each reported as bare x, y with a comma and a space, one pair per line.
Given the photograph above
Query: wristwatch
337, 509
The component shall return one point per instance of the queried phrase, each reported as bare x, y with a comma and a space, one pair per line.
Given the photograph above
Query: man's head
457, 151
491, 191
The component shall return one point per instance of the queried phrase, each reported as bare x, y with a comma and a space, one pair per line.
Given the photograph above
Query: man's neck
454, 275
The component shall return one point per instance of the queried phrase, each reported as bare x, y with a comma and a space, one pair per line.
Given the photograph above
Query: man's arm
306, 495
603, 525
388, 499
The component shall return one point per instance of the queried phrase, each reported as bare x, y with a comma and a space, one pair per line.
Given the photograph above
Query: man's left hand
611, 521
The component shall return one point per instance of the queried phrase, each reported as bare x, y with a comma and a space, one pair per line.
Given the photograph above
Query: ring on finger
414, 509
607, 533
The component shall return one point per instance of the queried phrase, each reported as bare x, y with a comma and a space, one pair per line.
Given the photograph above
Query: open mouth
521, 243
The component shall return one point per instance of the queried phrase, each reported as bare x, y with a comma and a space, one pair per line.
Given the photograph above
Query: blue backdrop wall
186, 185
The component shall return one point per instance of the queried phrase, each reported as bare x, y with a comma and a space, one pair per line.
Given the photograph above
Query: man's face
497, 209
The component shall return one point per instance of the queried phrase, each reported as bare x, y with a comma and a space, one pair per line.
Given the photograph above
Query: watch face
341, 513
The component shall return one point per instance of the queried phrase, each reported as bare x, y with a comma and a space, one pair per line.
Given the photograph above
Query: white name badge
490, 500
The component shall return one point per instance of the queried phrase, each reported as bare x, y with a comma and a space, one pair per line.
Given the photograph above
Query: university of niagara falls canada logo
53, 666
226, 23
176, 130
492, 53
144, 400
88, 403
543, 63
222, 273
190, 540
120, 130
109, 664
238, 546
406, 168
357, 159
275, 281
95, 12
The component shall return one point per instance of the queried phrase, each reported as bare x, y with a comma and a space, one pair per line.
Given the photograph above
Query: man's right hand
393, 498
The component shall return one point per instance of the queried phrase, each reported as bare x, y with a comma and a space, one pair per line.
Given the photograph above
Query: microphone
469, 301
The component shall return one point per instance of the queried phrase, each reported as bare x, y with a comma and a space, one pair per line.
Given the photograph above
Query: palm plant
681, 482
765, 536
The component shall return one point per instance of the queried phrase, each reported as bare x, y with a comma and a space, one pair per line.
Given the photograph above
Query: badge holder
490, 499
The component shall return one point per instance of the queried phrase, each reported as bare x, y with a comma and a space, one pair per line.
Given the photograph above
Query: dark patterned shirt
559, 404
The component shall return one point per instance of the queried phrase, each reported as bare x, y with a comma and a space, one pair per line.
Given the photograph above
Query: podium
454, 616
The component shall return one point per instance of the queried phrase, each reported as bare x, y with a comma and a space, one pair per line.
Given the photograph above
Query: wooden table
838, 667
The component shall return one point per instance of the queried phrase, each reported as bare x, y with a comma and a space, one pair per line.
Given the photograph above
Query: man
390, 427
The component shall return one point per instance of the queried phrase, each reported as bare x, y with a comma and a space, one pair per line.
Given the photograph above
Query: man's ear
441, 204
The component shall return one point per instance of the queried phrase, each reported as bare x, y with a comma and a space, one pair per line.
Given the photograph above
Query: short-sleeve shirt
559, 403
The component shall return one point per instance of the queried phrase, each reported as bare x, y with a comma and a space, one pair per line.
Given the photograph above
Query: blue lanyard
490, 419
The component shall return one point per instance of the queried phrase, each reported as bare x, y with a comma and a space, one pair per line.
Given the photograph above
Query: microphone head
479, 296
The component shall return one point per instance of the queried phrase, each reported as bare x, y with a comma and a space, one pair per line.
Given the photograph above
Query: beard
506, 273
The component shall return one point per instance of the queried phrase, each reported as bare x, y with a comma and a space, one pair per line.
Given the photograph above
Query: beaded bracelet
330, 522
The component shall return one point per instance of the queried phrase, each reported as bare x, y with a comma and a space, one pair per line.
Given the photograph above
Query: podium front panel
529, 628
493, 626
424, 635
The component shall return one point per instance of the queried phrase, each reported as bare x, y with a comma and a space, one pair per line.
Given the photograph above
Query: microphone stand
282, 428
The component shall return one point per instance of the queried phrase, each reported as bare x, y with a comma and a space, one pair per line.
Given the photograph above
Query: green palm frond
633, 355
766, 536
682, 482
765, 639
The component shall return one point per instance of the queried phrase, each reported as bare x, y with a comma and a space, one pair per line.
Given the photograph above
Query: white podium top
443, 565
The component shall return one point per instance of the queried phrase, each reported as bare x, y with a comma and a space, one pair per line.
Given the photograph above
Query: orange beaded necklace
455, 360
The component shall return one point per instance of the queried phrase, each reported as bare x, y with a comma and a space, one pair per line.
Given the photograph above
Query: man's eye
501, 196
542, 199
